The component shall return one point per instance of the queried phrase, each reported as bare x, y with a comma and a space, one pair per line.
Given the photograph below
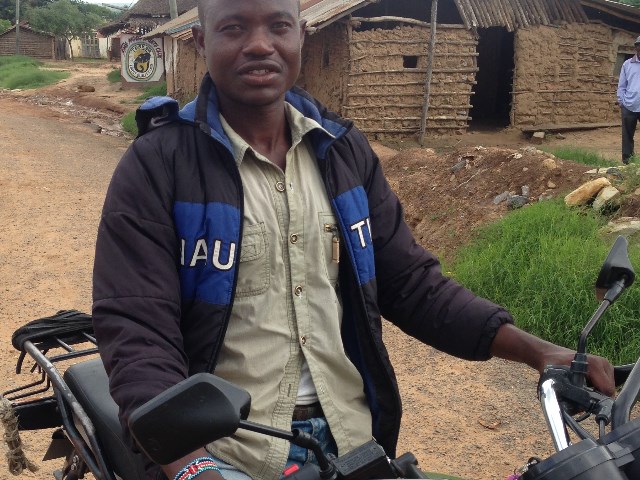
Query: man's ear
198, 38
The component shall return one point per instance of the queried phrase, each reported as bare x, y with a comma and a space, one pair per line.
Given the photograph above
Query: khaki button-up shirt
285, 321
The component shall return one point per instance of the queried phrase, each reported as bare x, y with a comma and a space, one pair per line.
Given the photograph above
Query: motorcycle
75, 401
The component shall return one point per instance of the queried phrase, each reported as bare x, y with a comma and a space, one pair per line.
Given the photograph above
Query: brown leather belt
305, 412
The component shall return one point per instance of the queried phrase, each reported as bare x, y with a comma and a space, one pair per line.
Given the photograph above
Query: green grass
582, 155
22, 72
129, 123
157, 90
114, 75
541, 263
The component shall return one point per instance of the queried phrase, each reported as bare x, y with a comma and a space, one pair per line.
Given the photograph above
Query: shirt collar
298, 123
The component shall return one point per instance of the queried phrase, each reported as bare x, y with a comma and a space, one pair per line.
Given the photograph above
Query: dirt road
54, 171
473, 420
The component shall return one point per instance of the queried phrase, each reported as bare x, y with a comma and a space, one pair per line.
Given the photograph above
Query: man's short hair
201, 3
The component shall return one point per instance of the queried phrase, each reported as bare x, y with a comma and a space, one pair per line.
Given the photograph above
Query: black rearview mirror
197, 411
616, 267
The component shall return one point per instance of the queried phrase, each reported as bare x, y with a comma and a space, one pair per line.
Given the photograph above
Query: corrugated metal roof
621, 10
317, 13
178, 27
321, 14
519, 13
511, 14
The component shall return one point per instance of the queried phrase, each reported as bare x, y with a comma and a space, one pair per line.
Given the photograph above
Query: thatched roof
511, 14
144, 16
24, 26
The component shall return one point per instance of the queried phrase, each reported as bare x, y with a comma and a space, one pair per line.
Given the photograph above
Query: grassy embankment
541, 263
25, 73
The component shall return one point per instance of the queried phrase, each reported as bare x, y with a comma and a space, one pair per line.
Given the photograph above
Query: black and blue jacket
158, 318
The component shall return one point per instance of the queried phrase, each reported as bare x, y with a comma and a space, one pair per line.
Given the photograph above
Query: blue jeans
316, 427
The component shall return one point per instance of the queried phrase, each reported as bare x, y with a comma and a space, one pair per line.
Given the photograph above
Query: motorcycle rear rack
62, 401
25, 391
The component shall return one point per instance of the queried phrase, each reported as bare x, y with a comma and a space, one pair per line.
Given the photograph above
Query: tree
68, 19
8, 8
4, 25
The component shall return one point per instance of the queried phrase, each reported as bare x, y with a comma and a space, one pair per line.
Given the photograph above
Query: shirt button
293, 238
298, 291
280, 186
303, 340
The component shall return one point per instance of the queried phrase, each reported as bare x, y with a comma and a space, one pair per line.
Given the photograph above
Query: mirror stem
579, 364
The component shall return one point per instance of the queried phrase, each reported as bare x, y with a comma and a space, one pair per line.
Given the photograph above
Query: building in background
529, 64
32, 43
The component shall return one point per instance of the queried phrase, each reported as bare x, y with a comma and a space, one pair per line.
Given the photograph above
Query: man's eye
231, 28
281, 25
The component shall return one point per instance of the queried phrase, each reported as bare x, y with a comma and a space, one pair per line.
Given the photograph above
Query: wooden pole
173, 9
427, 83
17, 27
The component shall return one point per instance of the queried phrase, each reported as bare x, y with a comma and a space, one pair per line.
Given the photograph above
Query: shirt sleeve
622, 84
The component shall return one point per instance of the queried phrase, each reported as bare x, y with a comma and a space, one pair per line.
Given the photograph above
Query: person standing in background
629, 100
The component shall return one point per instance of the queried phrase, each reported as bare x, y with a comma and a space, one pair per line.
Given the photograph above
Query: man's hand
511, 343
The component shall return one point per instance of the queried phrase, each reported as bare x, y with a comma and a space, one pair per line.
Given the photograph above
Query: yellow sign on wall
142, 60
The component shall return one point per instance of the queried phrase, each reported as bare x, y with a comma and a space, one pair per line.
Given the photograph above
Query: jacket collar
203, 111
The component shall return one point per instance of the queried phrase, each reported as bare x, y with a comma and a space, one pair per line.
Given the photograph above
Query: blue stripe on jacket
209, 237
352, 208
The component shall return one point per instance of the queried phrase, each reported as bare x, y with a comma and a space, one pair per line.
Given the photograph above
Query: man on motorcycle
253, 234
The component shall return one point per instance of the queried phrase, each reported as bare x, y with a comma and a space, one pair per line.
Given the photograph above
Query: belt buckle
305, 412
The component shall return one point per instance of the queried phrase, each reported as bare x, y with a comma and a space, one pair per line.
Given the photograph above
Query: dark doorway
491, 101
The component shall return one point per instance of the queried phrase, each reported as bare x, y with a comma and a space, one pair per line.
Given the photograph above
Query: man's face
252, 48
637, 45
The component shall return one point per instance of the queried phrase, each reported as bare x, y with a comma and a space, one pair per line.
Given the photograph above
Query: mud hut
143, 17
32, 43
398, 72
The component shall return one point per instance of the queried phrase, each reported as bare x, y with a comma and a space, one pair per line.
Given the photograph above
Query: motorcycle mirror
616, 267
199, 410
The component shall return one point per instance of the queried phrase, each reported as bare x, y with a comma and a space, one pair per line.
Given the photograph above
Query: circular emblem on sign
141, 60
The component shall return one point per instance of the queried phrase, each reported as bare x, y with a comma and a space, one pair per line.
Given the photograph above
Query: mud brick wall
565, 74
386, 80
32, 44
325, 57
188, 69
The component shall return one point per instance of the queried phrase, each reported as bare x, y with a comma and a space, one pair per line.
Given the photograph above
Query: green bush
541, 263
129, 123
18, 71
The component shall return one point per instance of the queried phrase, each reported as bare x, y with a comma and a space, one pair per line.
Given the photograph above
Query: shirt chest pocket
254, 274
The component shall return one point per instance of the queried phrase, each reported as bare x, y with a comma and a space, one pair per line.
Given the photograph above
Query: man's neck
265, 129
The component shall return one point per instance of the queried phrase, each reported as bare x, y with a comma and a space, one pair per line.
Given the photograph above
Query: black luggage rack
48, 341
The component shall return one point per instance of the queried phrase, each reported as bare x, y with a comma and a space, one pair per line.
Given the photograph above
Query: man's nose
259, 43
